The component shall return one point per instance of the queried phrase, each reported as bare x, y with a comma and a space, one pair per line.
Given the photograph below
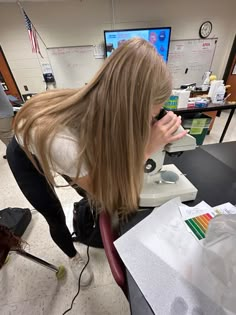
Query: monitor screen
159, 37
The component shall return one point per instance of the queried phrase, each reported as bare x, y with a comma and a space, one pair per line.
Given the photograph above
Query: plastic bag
219, 256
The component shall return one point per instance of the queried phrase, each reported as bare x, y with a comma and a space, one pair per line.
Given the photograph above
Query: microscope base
154, 194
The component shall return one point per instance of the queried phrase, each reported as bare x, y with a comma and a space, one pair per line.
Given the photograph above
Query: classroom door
232, 80
6, 77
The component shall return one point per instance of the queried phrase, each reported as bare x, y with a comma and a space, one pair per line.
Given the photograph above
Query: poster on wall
99, 51
47, 73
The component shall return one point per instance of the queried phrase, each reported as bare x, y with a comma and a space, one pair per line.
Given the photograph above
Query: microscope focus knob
150, 166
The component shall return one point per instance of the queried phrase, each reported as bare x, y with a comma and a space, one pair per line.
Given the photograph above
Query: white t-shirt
64, 153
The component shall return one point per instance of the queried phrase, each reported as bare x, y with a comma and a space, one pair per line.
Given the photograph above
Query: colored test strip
198, 226
195, 229
205, 218
208, 215
204, 221
201, 224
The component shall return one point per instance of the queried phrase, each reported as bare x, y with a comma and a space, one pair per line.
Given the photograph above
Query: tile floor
29, 289
218, 127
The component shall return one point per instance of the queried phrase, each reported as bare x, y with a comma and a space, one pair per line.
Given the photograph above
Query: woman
99, 136
6, 117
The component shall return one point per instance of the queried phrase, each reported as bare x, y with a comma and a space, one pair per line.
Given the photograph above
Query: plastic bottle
219, 94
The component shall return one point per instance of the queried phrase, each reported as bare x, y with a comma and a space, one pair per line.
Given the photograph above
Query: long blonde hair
111, 119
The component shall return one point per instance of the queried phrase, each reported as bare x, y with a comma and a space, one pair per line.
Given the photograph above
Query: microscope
165, 182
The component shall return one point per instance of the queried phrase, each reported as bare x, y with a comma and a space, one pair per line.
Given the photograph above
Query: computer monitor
158, 36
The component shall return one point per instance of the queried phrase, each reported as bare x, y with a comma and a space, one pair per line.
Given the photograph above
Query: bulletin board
189, 59
73, 66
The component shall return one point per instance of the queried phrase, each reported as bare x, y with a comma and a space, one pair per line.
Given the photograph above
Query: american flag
32, 35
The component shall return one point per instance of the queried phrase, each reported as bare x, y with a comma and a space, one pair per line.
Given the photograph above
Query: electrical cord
78, 291
74, 238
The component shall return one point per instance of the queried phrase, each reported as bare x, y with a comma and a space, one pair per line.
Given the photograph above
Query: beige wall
81, 22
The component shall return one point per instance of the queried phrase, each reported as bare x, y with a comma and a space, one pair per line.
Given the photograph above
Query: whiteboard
189, 59
73, 66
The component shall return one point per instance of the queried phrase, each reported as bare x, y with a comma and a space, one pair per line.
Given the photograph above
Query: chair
10, 243
116, 264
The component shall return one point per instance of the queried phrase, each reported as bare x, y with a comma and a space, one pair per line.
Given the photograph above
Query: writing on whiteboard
195, 55
70, 50
73, 67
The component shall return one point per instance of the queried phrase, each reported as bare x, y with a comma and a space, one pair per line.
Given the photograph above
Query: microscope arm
155, 162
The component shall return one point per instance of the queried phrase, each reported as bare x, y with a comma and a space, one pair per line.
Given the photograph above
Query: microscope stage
154, 194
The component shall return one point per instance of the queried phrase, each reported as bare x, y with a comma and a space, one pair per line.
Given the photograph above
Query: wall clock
205, 29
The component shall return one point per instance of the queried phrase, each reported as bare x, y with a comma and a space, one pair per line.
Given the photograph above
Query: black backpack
86, 224
15, 219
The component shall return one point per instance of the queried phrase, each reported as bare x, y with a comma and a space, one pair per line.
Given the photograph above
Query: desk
226, 154
16, 109
16, 106
211, 169
211, 108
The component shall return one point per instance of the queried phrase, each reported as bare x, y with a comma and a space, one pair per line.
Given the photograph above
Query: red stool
116, 264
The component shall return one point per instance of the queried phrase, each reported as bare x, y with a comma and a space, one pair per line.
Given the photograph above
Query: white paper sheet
226, 208
165, 261
191, 212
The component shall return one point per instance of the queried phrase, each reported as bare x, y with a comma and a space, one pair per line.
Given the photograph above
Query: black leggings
41, 196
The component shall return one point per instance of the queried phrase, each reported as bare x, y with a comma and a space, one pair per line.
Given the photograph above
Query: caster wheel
7, 260
61, 272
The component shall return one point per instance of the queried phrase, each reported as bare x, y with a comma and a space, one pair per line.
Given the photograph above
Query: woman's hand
163, 132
